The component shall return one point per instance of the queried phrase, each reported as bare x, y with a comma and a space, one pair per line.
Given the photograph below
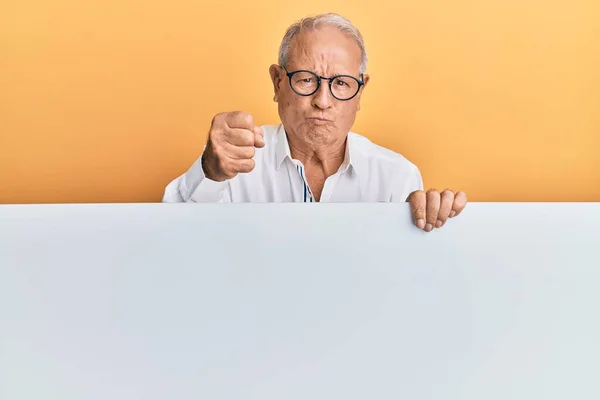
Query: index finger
239, 137
418, 204
240, 119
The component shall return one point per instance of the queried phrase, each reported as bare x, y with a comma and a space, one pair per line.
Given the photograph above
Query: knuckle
432, 192
247, 165
216, 132
218, 119
419, 210
248, 118
215, 136
243, 116
414, 195
248, 138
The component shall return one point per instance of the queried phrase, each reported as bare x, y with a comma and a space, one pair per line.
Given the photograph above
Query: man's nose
322, 97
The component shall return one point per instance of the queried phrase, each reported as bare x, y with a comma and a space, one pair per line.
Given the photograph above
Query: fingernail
439, 223
452, 214
421, 223
428, 228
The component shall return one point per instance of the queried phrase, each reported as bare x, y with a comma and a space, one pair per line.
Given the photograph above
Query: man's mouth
318, 120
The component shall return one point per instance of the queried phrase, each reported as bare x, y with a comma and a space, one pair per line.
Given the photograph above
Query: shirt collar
282, 150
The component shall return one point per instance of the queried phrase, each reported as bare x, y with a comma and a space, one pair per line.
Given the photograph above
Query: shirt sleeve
406, 184
195, 187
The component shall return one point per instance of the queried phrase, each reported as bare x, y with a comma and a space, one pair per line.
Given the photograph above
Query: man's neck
327, 158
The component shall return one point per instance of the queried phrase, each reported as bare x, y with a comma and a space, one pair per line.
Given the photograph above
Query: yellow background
107, 101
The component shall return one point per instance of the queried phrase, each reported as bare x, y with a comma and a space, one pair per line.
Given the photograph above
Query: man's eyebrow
335, 72
338, 73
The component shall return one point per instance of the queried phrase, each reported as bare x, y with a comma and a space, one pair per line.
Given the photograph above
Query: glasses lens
344, 87
304, 82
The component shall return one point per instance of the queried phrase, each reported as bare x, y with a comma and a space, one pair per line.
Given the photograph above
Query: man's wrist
208, 172
208, 169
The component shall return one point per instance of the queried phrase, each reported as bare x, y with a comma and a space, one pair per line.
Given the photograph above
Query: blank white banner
299, 301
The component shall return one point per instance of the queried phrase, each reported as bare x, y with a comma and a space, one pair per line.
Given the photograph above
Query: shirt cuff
199, 188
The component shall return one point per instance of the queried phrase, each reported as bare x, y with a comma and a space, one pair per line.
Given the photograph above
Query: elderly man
312, 155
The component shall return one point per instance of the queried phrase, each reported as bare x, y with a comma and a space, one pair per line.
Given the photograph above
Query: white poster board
298, 301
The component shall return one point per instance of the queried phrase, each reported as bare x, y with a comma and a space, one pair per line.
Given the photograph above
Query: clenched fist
231, 144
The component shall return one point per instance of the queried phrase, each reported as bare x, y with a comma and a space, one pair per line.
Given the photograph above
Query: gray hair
320, 21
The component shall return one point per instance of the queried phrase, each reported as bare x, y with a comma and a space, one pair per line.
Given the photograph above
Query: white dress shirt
369, 173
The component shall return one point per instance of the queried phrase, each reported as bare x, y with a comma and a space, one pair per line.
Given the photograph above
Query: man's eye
340, 83
307, 80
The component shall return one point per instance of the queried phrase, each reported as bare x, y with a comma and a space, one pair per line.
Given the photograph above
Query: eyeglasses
306, 83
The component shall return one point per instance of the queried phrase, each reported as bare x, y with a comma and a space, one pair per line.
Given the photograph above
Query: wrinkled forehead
326, 51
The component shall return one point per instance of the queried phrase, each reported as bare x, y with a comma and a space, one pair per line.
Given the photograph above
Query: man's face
319, 119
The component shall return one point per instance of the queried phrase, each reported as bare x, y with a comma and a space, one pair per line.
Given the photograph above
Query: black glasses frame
320, 78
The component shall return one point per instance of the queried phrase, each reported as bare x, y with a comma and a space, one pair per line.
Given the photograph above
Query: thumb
259, 137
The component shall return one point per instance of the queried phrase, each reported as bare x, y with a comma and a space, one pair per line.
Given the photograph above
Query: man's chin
319, 133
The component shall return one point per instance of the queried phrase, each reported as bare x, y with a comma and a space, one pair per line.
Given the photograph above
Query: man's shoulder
377, 154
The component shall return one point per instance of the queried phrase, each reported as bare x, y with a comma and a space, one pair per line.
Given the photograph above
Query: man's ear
366, 79
275, 73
